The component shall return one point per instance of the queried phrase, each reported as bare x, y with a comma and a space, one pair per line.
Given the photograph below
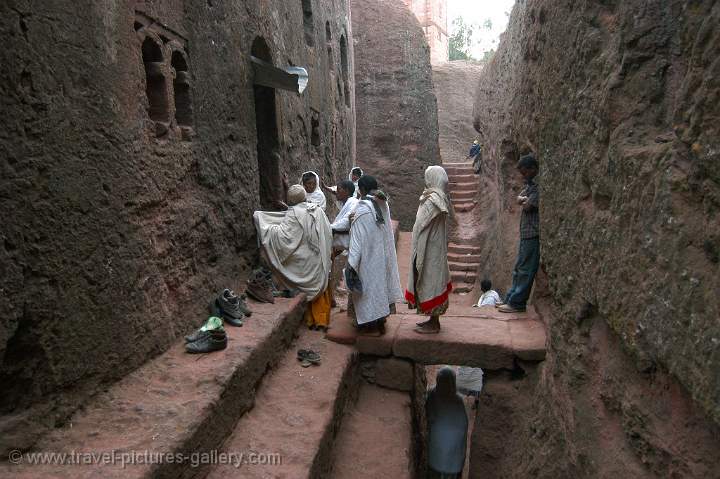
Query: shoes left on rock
209, 341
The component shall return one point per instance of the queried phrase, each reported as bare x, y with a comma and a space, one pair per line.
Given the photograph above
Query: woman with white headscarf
429, 283
313, 192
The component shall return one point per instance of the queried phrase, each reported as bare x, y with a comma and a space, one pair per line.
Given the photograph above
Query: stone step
463, 266
297, 414
463, 207
463, 249
458, 170
464, 196
464, 258
477, 337
462, 178
459, 277
463, 186
173, 404
464, 241
457, 164
462, 288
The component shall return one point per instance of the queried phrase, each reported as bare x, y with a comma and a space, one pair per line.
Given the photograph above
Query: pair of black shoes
231, 308
206, 341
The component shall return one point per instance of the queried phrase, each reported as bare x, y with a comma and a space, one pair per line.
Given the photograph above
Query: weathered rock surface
453, 82
397, 127
619, 100
117, 229
394, 373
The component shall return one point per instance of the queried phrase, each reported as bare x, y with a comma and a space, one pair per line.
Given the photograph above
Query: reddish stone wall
397, 128
116, 229
617, 99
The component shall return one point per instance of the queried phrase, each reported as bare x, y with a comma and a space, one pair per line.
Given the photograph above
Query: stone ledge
462, 340
297, 413
175, 403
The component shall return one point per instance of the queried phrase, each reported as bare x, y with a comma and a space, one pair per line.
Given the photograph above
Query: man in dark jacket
528, 259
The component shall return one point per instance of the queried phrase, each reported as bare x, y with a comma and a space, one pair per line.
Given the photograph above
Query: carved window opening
308, 24
315, 131
181, 86
267, 133
155, 86
328, 40
345, 69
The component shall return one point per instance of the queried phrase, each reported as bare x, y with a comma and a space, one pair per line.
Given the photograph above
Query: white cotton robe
342, 224
298, 245
429, 283
373, 256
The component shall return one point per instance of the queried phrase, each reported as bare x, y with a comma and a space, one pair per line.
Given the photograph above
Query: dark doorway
155, 88
271, 187
308, 22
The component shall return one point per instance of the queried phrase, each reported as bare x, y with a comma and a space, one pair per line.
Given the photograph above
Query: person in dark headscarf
447, 427
372, 257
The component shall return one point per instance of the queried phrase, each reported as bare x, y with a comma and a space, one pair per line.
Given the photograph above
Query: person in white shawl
341, 226
297, 243
372, 256
311, 183
429, 283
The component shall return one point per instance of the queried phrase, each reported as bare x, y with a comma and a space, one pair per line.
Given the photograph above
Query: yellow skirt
318, 311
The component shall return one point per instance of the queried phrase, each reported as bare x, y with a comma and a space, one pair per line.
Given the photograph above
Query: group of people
301, 244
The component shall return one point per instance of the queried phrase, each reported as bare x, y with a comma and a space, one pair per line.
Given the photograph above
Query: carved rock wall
117, 229
397, 126
619, 100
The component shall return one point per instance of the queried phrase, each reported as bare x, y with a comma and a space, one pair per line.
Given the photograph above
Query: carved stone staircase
463, 255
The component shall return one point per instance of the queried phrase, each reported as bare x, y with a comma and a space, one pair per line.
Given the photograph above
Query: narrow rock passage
375, 438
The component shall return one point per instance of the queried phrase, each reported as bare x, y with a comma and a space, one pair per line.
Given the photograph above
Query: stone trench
139, 137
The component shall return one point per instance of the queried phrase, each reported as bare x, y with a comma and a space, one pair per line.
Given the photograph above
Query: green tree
461, 40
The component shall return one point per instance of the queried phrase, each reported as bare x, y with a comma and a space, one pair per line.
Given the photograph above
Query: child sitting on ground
489, 296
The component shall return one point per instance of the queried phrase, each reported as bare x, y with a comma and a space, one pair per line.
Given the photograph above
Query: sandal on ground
422, 323
423, 330
308, 355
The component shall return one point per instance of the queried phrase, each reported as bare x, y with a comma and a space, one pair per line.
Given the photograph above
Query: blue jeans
523, 275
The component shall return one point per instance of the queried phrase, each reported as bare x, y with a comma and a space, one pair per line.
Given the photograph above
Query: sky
477, 11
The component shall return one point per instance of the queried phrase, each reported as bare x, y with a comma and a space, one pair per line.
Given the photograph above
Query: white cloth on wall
469, 380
